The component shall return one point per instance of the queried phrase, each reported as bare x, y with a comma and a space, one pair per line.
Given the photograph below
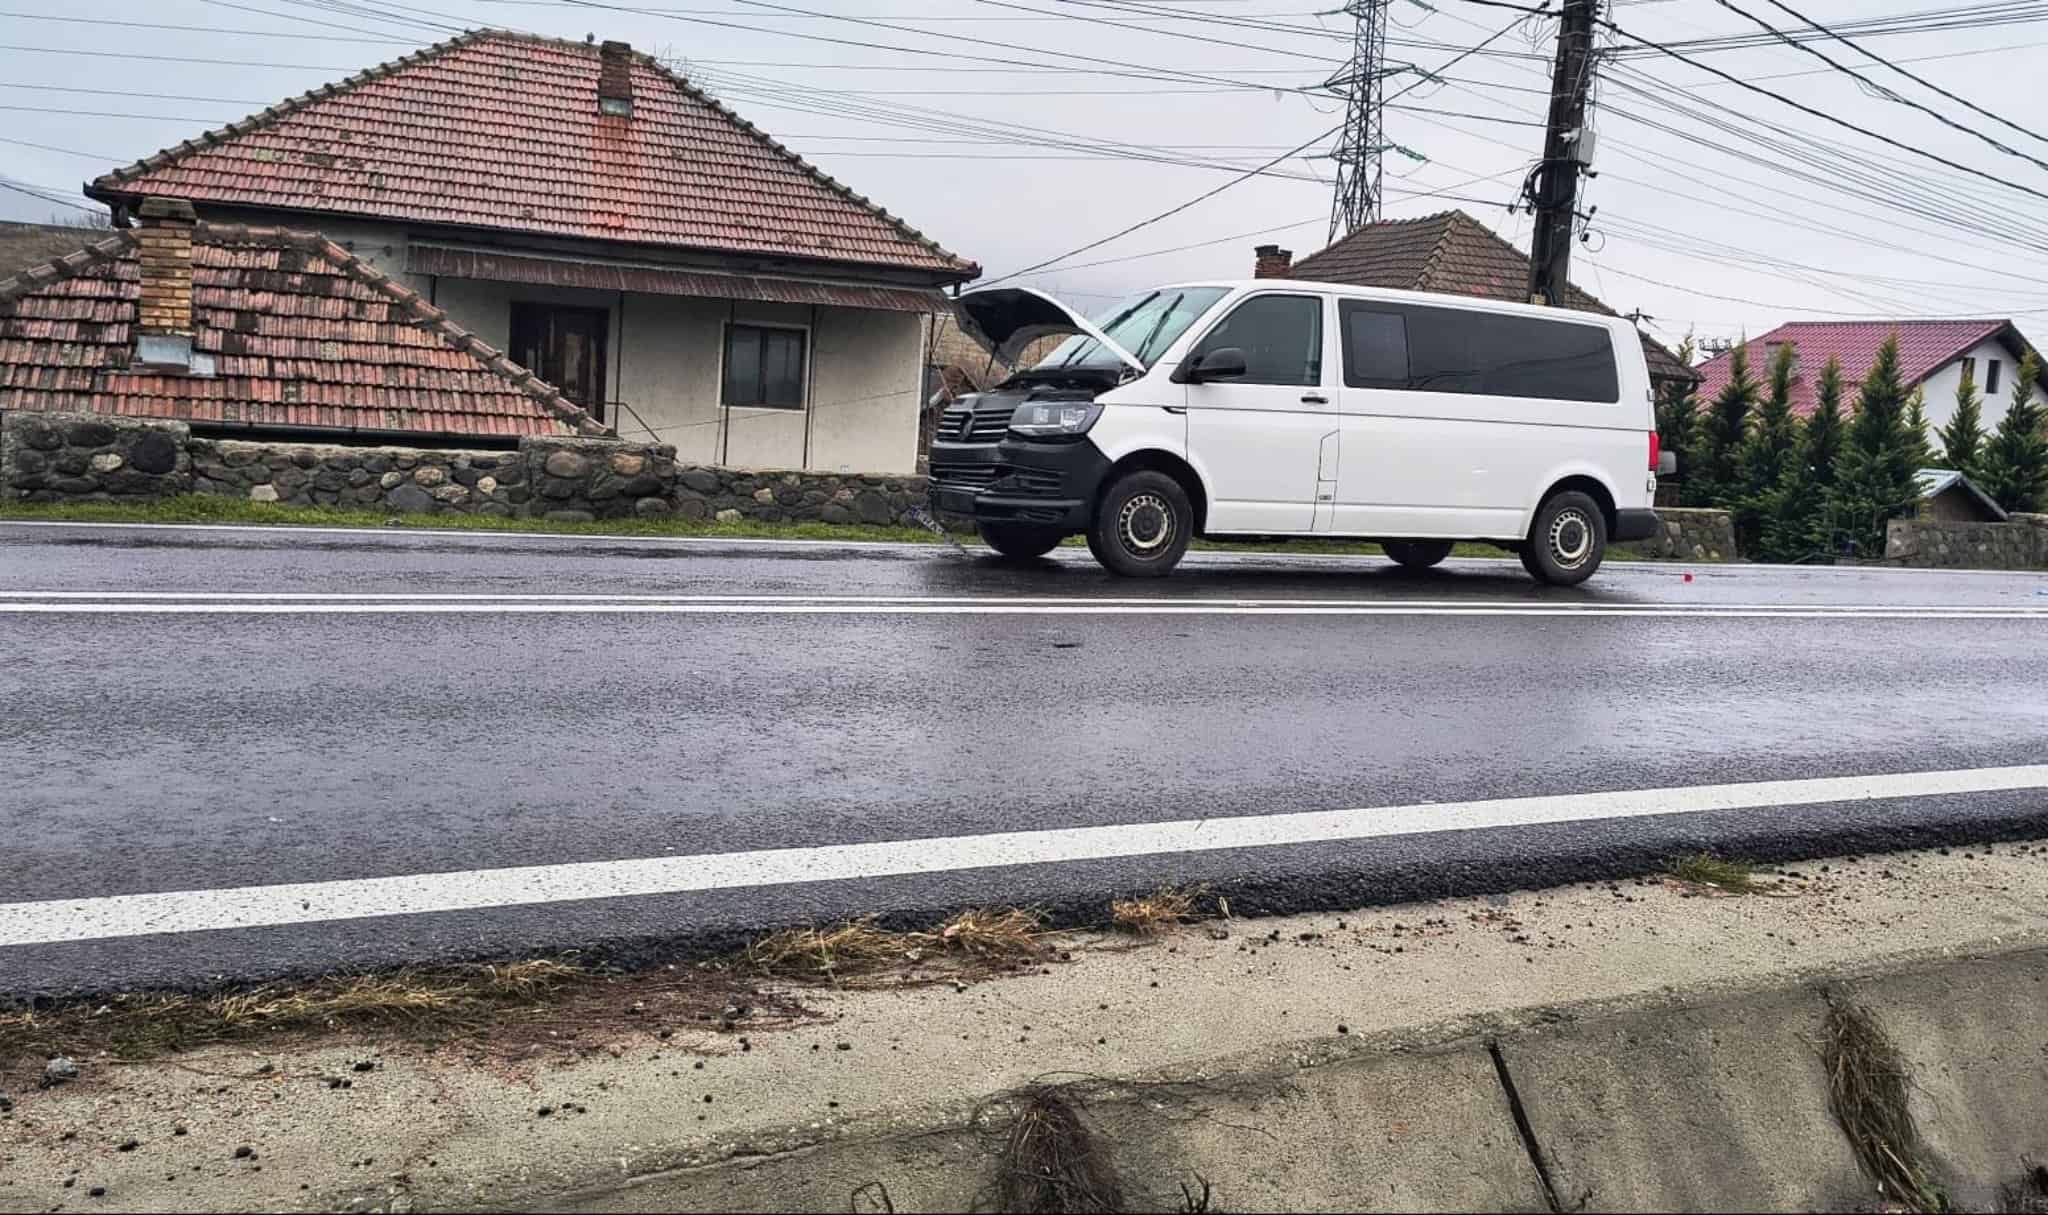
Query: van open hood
1007, 319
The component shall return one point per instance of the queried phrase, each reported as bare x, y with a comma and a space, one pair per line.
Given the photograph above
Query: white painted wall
1941, 389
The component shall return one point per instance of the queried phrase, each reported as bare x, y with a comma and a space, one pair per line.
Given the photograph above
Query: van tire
1567, 540
1019, 541
1142, 525
1417, 554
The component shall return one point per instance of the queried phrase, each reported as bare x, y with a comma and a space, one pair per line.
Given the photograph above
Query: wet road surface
544, 721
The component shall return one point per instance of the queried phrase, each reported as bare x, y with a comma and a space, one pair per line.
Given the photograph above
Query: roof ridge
109, 181
816, 174
42, 274
1449, 219
427, 316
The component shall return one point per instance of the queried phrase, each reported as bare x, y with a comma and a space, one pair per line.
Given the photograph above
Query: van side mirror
1223, 363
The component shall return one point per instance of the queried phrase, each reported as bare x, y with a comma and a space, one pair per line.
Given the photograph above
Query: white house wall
1941, 387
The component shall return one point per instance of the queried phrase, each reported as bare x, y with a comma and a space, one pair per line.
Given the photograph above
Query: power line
42, 193
1886, 93
206, 29
1821, 114
1919, 80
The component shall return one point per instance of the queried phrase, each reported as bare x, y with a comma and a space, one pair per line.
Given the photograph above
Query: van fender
1570, 470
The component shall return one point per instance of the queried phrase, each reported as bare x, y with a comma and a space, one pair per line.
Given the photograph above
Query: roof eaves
108, 185
971, 270
43, 274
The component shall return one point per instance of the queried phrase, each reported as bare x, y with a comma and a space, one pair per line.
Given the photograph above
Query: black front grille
964, 476
967, 426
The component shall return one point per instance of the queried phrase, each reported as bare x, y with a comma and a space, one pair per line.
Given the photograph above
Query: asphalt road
638, 746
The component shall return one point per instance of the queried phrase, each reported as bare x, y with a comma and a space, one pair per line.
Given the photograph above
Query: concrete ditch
1607, 1046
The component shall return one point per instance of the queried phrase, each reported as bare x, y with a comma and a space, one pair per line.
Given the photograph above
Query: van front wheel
1142, 525
1417, 554
1567, 541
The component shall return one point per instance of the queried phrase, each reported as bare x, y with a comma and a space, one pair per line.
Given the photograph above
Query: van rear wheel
1019, 541
1567, 540
1142, 525
1417, 554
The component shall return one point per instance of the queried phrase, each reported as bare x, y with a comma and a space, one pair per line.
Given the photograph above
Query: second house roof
501, 131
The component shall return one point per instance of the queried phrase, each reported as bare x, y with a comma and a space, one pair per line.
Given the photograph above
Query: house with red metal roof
676, 274
1932, 355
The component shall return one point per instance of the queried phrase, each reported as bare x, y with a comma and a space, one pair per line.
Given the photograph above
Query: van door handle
1314, 398
1174, 408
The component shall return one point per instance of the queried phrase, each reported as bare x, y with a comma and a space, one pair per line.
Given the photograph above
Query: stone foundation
91, 458
2021, 544
1686, 535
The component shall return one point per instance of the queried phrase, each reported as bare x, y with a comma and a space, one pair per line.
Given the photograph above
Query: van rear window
1425, 349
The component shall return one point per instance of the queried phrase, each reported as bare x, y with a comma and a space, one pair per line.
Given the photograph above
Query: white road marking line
1156, 608
57, 920
480, 597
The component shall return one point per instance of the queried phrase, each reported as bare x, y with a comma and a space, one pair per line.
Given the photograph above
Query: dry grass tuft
1052, 1163
1718, 873
1867, 1095
1147, 915
970, 939
2028, 1196
434, 1001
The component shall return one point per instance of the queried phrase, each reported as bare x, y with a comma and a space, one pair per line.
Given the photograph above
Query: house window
1990, 376
764, 367
565, 347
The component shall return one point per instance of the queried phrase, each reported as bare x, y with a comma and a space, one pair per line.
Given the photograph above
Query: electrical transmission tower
1358, 150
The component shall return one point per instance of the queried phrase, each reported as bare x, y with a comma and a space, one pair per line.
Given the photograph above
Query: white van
1274, 408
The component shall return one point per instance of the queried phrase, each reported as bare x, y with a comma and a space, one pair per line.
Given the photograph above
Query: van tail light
1656, 450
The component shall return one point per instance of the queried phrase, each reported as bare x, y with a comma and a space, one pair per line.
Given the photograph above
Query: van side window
1375, 346
1496, 354
1281, 336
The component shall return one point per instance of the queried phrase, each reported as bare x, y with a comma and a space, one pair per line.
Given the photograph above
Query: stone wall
2021, 544
1686, 535
89, 458
73, 457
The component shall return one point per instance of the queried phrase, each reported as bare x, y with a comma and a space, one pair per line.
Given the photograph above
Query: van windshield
1144, 324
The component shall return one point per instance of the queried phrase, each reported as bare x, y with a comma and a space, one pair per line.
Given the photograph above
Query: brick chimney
166, 239
1273, 261
615, 79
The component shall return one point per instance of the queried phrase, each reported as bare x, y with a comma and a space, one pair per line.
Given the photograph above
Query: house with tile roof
678, 275
1932, 355
1450, 253
257, 329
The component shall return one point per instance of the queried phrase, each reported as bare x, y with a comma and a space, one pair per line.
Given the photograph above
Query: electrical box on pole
1567, 149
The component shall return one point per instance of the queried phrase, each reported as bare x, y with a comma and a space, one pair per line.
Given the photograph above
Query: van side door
1454, 417
1263, 439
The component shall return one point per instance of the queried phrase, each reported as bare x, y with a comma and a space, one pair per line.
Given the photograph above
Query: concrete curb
1696, 1101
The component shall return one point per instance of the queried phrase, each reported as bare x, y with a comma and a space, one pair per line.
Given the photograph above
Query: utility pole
1566, 149
1357, 199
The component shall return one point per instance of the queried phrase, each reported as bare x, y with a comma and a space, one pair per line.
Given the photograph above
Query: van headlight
1053, 419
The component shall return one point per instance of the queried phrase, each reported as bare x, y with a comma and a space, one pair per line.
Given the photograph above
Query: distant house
256, 329
1951, 497
676, 273
1932, 355
1451, 253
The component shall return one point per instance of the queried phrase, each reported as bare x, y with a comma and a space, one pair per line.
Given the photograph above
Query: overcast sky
1700, 227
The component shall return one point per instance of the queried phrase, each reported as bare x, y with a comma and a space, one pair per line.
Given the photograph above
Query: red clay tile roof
501, 131
1925, 347
25, 245
1452, 253
303, 334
